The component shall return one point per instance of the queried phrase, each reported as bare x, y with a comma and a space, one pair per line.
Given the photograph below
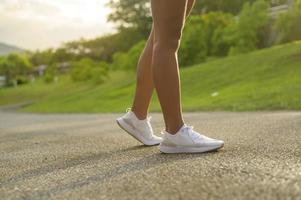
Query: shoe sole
125, 127
179, 149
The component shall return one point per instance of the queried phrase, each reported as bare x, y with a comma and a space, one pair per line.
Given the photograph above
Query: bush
128, 60
48, 77
99, 74
20, 80
193, 44
243, 35
203, 37
50, 73
119, 60
216, 24
134, 54
287, 26
89, 70
13, 67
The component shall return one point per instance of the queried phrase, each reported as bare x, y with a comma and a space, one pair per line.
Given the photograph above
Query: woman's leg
190, 5
145, 85
169, 19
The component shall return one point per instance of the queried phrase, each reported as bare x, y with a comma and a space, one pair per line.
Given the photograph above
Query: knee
170, 42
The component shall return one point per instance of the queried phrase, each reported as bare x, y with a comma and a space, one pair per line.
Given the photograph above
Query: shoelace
188, 129
148, 119
190, 132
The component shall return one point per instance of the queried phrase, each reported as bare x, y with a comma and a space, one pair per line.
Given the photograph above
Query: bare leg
189, 7
169, 19
145, 85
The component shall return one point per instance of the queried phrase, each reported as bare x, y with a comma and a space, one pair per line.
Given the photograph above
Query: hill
268, 79
7, 49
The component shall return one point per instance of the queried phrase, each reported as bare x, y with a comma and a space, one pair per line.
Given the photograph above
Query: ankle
140, 116
174, 129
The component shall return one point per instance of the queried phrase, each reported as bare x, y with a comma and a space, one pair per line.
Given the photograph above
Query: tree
233, 6
131, 13
128, 60
136, 13
204, 36
243, 35
51, 56
193, 45
287, 26
215, 24
61, 55
14, 66
41, 57
89, 70
104, 47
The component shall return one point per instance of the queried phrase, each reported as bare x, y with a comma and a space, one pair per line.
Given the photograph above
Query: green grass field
268, 79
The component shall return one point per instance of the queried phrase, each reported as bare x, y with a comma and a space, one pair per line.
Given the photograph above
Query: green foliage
193, 44
208, 35
13, 67
215, 25
288, 26
48, 77
50, 73
41, 57
103, 48
133, 13
233, 6
243, 35
129, 59
99, 73
21, 79
51, 56
61, 55
89, 70
203, 37
267, 79
136, 13
98, 49
119, 60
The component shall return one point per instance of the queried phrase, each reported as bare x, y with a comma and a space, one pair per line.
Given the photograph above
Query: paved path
86, 156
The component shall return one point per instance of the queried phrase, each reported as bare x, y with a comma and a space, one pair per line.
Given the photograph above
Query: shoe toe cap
157, 139
220, 143
215, 142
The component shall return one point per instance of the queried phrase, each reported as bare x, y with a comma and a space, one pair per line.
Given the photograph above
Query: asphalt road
87, 156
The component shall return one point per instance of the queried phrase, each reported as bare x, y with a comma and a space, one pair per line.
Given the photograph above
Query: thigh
168, 17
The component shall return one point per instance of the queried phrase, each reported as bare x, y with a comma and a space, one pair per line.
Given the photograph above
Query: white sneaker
186, 140
139, 129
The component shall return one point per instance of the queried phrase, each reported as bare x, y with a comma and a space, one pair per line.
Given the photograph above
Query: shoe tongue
185, 126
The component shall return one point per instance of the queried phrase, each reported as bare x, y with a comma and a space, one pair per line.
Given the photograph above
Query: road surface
87, 156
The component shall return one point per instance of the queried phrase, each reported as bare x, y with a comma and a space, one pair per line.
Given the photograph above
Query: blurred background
75, 56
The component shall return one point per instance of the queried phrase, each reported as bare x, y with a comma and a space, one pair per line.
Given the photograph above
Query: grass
268, 79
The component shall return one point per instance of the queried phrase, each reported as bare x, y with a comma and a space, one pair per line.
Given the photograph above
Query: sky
40, 24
